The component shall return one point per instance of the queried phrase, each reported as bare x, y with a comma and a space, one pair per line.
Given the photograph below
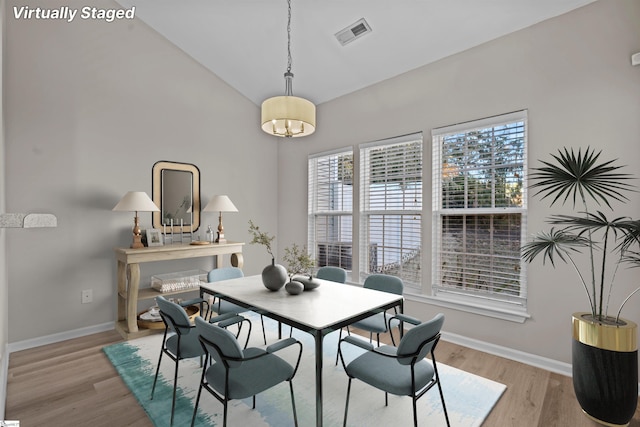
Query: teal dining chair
230, 373
402, 370
377, 323
180, 339
335, 274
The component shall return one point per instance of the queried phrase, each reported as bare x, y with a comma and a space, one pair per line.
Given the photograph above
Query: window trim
504, 309
364, 213
312, 214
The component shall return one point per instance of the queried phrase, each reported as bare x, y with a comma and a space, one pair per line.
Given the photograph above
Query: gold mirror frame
178, 185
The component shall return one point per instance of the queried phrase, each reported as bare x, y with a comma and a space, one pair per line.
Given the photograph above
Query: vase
307, 282
605, 368
274, 276
294, 287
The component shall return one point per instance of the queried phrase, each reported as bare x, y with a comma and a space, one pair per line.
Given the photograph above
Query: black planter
605, 369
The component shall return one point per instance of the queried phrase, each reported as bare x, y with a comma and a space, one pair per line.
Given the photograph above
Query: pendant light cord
289, 38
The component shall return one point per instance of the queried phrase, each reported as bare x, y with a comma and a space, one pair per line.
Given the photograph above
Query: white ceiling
244, 42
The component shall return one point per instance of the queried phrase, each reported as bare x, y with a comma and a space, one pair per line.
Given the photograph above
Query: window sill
462, 304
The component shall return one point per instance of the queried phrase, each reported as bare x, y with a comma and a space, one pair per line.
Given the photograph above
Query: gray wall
89, 108
572, 73
4, 306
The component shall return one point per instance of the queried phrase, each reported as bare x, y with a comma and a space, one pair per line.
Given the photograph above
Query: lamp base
221, 238
137, 242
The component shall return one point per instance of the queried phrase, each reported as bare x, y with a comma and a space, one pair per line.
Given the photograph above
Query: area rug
469, 398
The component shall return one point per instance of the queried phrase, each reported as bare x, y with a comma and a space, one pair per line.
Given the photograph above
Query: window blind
391, 208
479, 209
330, 209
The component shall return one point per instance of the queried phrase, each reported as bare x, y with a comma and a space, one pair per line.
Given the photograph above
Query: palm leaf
577, 175
560, 243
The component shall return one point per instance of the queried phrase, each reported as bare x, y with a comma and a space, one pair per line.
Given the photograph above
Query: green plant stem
584, 285
624, 302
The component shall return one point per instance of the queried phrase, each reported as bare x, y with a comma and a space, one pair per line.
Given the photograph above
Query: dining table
319, 311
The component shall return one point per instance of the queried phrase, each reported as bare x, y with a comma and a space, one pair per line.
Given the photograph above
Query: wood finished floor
73, 384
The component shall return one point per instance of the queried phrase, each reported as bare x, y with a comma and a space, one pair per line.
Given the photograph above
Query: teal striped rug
469, 397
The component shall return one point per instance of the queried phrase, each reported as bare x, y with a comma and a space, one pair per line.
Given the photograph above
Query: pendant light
288, 116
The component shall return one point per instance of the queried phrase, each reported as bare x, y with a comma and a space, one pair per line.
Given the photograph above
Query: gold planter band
605, 336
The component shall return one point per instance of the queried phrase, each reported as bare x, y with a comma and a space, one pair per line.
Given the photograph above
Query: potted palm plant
604, 347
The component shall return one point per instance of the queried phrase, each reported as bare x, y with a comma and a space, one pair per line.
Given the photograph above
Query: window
479, 205
391, 208
331, 209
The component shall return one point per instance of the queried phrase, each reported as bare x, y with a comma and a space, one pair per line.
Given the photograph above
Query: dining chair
402, 370
180, 339
231, 373
377, 323
225, 307
335, 274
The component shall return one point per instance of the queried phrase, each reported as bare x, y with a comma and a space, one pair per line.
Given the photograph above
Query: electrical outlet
87, 296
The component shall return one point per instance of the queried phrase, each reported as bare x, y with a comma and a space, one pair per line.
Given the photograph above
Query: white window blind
479, 209
330, 208
391, 208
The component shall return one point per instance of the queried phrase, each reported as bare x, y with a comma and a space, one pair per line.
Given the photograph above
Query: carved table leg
132, 297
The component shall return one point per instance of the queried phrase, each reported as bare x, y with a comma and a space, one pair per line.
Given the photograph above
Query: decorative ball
294, 287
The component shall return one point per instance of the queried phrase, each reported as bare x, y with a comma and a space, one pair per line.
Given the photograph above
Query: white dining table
319, 312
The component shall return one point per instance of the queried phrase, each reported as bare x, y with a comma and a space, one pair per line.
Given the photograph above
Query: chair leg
444, 407
293, 404
264, 334
415, 411
224, 419
346, 404
195, 408
339, 339
175, 387
153, 389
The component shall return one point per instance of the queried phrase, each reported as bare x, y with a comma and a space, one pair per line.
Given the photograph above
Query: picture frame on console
154, 237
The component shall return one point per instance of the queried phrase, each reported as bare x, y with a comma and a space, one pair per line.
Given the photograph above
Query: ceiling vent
353, 31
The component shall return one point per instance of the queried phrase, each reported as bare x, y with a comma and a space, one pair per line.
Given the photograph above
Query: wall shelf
30, 220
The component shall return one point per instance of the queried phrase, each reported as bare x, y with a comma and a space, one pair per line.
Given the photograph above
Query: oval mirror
176, 191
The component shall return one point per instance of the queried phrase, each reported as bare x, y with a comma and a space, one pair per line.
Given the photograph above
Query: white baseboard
509, 353
61, 336
4, 377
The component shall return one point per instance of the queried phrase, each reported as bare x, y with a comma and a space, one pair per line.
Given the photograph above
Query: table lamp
136, 201
220, 204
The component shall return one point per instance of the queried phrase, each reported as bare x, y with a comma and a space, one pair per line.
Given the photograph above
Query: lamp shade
136, 201
288, 116
220, 203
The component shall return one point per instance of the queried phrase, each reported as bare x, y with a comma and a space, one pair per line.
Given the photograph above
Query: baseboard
4, 377
509, 353
62, 336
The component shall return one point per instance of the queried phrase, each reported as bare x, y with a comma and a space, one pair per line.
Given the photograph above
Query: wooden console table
128, 263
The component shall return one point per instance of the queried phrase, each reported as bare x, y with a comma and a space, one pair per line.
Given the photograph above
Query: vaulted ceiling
244, 42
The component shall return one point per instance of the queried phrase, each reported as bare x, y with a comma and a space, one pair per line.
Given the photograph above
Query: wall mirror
176, 191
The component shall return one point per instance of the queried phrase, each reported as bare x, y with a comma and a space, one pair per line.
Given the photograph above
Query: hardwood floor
73, 384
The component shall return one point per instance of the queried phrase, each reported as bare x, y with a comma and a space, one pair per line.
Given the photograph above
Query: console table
128, 273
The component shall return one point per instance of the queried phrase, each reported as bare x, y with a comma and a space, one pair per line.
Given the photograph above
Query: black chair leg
293, 404
444, 407
339, 339
264, 334
195, 409
415, 412
346, 404
175, 387
153, 389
